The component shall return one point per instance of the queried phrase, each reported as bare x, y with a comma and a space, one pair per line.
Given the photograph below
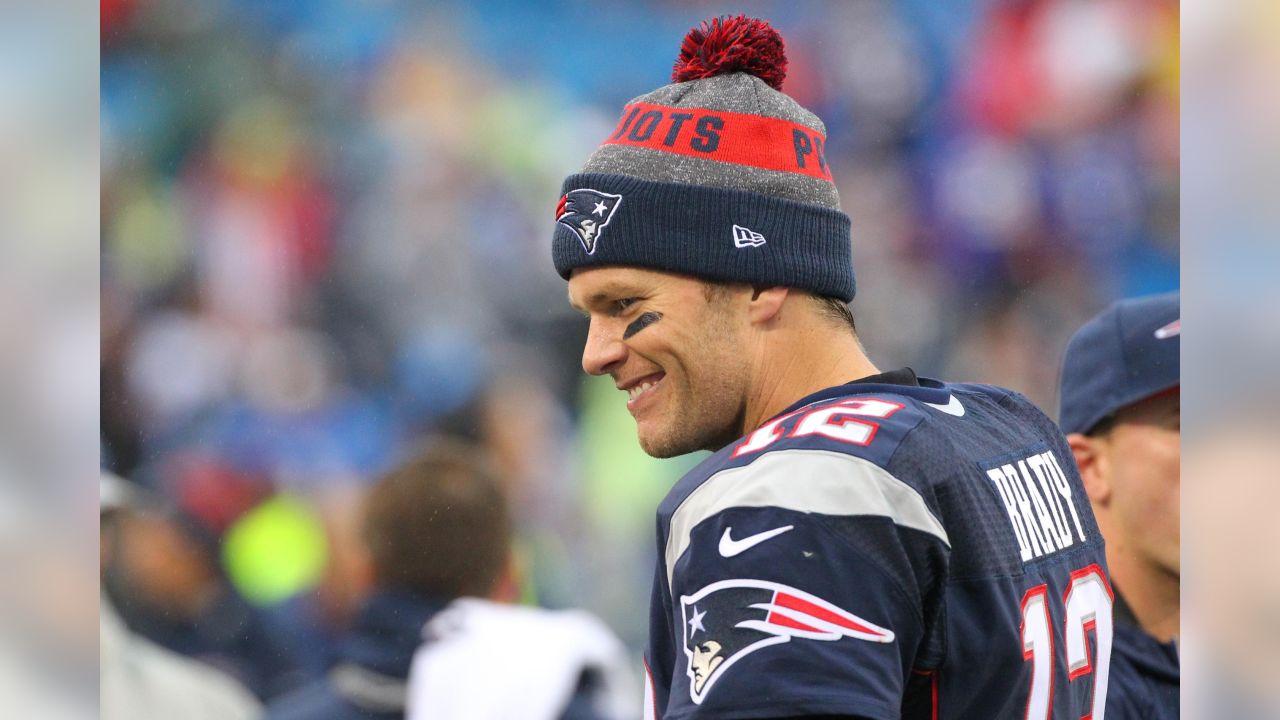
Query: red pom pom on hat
726, 45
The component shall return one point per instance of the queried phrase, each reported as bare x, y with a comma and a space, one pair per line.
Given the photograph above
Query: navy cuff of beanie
708, 232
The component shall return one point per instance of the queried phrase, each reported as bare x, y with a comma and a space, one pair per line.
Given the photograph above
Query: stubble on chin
710, 430
669, 442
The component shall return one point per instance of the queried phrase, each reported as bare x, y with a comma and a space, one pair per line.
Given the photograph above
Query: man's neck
1151, 592
801, 366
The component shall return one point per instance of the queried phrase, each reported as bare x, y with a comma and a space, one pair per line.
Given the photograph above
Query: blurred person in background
436, 534
529, 453
140, 680
166, 581
1121, 410
861, 543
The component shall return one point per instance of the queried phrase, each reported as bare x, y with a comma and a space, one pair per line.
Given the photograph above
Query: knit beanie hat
718, 175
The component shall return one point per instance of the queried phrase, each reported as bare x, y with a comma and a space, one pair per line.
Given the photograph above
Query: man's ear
766, 304
1093, 463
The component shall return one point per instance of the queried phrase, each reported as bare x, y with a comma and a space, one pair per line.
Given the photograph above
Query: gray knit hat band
730, 131
718, 175
707, 232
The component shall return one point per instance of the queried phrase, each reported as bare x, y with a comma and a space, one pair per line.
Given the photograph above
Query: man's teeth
635, 391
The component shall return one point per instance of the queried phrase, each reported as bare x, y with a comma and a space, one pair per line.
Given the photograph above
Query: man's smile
641, 388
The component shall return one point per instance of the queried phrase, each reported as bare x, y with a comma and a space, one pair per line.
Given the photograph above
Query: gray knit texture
734, 92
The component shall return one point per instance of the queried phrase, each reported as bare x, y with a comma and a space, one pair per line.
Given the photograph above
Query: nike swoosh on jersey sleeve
730, 547
809, 481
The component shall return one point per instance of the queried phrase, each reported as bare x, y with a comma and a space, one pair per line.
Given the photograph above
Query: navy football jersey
889, 548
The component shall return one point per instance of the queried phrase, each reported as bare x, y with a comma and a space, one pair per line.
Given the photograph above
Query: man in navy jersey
861, 543
1120, 405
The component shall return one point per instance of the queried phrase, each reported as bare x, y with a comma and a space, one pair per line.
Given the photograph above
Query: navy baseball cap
1129, 352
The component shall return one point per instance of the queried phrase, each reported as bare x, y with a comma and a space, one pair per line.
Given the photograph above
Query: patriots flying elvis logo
586, 212
728, 620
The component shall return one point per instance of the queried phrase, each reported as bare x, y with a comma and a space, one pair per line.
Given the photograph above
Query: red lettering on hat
737, 138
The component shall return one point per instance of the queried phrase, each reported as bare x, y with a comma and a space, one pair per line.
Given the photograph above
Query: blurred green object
275, 550
623, 485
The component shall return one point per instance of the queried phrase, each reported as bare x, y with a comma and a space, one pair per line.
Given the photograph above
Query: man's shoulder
873, 421
909, 454
859, 425
836, 452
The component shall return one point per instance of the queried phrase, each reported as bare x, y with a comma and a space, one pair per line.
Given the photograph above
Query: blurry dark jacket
368, 679
1144, 676
229, 634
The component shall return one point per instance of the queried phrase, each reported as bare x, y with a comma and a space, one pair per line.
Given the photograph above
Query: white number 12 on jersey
1088, 606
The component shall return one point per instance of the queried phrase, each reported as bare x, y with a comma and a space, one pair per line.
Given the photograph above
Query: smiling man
861, 543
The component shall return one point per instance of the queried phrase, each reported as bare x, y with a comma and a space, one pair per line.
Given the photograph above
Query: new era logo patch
746, 237
586, 212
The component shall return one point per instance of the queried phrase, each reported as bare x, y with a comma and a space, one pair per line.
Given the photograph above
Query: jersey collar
902, 381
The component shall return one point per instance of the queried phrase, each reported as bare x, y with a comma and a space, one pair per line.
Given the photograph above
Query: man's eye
624, 304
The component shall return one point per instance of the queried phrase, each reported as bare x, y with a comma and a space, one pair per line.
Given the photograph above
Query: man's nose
604, 350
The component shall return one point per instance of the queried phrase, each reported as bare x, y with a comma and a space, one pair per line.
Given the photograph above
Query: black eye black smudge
641, 323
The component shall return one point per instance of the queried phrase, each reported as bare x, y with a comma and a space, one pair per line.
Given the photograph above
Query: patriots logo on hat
586, 212
728, 620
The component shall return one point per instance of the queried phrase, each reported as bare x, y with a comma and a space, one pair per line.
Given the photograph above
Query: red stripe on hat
738, 138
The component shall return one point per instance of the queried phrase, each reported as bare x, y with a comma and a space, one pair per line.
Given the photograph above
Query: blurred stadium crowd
326, 229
